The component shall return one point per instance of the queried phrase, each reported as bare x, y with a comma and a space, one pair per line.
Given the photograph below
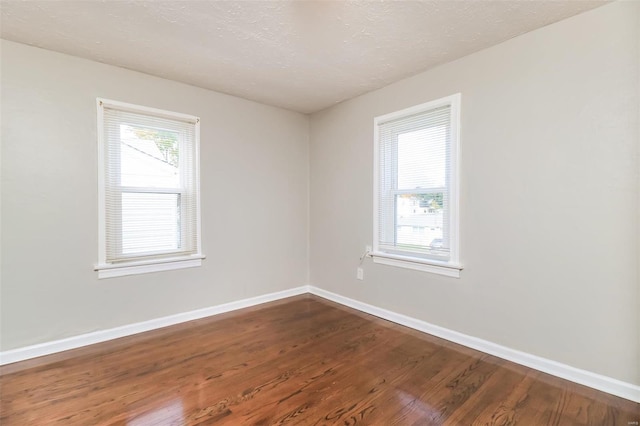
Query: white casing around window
148, 190
427, 166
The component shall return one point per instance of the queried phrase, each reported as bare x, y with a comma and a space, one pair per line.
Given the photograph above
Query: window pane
422, 158
420, 222
416, 213
150, 222
149, 157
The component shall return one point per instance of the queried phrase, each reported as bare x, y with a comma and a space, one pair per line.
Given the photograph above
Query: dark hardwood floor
300, 361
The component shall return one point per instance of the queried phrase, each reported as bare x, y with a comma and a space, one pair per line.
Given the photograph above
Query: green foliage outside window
167, 143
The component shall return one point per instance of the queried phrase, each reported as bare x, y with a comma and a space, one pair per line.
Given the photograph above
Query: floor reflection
415, 404
171, 412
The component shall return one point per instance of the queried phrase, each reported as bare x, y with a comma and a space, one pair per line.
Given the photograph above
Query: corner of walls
637, 5
596, 381
308, 198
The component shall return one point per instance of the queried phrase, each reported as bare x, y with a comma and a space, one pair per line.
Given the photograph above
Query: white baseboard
48, 348
583, 377
573, 374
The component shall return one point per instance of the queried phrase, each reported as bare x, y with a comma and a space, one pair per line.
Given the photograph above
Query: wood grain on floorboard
298, 361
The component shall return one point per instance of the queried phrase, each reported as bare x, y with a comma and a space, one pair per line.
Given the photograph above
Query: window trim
452, 267
142, 265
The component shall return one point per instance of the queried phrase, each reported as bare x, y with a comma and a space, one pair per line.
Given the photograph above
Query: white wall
549, 201
251, 154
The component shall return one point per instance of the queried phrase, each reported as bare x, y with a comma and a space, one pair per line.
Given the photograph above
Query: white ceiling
300, 55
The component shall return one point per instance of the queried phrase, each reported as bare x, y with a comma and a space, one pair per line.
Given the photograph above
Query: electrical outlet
360, 274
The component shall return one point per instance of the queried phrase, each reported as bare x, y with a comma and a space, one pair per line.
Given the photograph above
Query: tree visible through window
150, 193
166, 142
150, 219
416, 178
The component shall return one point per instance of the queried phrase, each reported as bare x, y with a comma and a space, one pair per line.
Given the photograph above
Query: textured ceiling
300, 55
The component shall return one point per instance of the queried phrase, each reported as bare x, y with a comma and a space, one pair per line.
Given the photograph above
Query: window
149, 212
416, 187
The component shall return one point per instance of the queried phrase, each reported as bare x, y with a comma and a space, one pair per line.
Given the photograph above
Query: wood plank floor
300, 361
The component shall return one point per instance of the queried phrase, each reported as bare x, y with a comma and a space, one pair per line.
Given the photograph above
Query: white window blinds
416, 193
149, 182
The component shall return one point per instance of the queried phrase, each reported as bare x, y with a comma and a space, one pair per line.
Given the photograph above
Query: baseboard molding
583, 377
573, 374
48, 348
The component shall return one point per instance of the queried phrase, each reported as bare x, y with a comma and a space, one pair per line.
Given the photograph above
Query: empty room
320, 212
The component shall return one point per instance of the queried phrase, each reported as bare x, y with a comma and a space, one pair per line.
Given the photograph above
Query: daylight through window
149, 189
416, 215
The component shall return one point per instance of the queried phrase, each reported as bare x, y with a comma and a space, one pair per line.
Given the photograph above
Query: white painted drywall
254, 180
549, 195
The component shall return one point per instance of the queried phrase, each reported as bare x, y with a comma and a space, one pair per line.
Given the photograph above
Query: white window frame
452, 266
135, 266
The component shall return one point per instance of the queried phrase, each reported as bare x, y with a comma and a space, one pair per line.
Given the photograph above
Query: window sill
145, 266
433, 266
